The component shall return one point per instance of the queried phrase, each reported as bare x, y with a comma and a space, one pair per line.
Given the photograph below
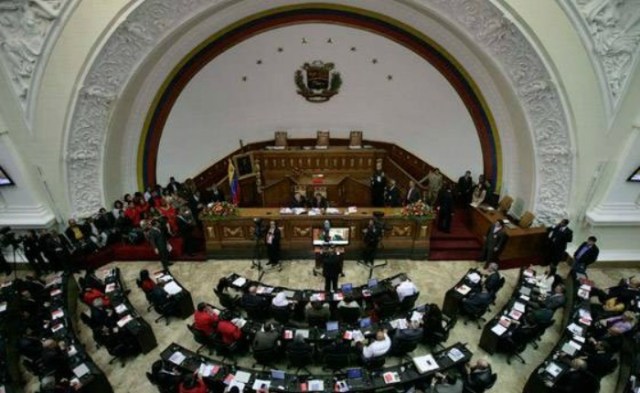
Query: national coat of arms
318, 81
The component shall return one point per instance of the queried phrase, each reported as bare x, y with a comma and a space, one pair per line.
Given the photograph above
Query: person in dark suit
478, 375
444, 205
216, 194
392, 195
557, 240
80, 237
330, 269
251, 299
378, 184
158, 237
33, 252
413, 194
298, 201
464, 188
493, 243
266, 339
492, 279
319, 201
372, 235
196, 204
186, 226
174, 186
585, 255
477, 302
272, 240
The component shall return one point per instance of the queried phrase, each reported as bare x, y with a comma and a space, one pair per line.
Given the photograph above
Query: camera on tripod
8, 238
259, 230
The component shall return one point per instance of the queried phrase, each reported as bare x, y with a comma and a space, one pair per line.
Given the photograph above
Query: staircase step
454, 245
463, 255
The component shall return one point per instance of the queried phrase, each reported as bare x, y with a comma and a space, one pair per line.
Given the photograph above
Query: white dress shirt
406, 288
377, 348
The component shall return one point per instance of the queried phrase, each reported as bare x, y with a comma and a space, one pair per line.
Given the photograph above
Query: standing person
465, 188
186, 225
371, 239
585, 255
413, 194
445, 209
392, 195
33, 252
557, 240
216, 194
378, 184
158, 239
330, 270
273, 243
434, 181
493, 243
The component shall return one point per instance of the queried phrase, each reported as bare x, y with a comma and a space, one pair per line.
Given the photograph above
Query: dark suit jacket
557, 242
322, 204
477, 302
275, 242
392, 197
498, 239
413, 195
492, 281
331, 265
589, 257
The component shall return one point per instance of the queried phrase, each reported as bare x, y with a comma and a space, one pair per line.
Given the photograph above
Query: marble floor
432, 278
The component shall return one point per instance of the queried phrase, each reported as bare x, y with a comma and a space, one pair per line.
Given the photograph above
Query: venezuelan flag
234, 184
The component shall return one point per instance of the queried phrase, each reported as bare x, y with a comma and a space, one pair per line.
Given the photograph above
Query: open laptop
365, 323
277, 375
333, 329
373, 282
347, 288
355, 378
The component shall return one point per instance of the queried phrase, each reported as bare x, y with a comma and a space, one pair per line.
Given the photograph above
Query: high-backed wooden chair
281, 139
526, 220
505, 204
355, 139
323, 139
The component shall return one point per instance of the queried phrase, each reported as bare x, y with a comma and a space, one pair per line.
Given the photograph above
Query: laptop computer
303, 332
355, 378
347, 288
333, 329
365, 323
277, 375
372, 282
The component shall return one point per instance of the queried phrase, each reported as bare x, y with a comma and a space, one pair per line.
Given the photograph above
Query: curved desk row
405, 374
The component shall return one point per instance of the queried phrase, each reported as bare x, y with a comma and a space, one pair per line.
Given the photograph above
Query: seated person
477, 302
192, 383
299, 345
251, 300
576, 379
298, 201
378, 347
166, 375
613, 306
229, 332
432, 321
161, 299
205, 319
80, 237
626, 291
317, 310
405, 289
413, 332
492, 278
599, 357
280, 300
225, 288
266, 339
90, 294
554, 301
319, 201
442, 383
545, 281
615, 326
478, 375
348, 302
54, 360
145, 282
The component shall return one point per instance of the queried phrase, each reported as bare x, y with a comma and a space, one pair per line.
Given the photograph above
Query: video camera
259, 231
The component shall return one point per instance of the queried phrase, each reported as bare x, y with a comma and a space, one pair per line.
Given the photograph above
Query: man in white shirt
406, 288
379, 347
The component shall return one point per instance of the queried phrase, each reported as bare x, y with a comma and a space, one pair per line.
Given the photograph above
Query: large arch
487, 27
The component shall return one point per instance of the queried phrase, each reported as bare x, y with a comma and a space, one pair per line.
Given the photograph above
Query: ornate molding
539, 97
27, 29
610, 29
153, 20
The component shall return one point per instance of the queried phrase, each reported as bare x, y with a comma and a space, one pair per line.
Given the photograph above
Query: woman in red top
133, 214
90, 294
205, 319
145, 282
193, 384
229, 332
170, 213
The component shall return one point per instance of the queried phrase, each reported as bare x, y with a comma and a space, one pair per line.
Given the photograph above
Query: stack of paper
463, 289
316, 385
172, 288
125, 320
474, 277
239, 282
81, 370
425, 363
177, 358
391, 377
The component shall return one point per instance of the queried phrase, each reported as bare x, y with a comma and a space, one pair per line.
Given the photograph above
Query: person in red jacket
192, 384
90, 294
230, 333
205, 319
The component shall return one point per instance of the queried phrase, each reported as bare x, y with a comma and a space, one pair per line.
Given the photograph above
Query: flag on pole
234, 184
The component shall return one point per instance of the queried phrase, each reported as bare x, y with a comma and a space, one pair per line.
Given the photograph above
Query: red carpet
458, 245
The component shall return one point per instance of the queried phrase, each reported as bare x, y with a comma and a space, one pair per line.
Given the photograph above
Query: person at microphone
273, 243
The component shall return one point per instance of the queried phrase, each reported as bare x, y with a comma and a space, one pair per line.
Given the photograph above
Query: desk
232, 237
373, 381
454, 296
521, 242
137, 327
185, 302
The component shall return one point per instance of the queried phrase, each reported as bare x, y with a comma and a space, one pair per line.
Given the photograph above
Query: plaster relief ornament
317, 81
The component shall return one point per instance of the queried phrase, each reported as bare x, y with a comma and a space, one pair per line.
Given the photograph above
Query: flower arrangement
417, 210
219, 210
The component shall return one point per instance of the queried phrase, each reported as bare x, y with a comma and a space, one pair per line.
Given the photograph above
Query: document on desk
316, 385
3, 306
553, 369
233, 383
242, 376
208, 370
416, 316
463, 289
498, 329
121, 308
455, 354
172, 288
474, 277
425, 363
81, 370
519, 306
110, 288
261, 384
400, 323
125, 320
264, 290
391, 377
575, 329
177, 358
239, 282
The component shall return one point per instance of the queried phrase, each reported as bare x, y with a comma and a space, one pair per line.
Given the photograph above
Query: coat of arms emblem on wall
318, 81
